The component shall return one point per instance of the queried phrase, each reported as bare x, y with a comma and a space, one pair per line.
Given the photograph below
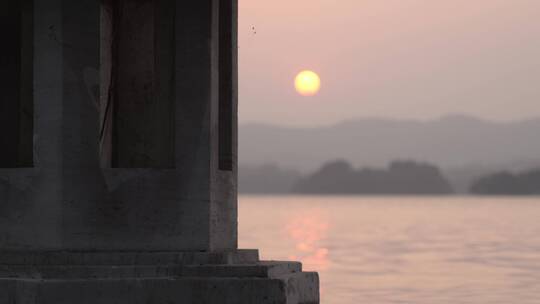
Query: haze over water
403, 249
404, 59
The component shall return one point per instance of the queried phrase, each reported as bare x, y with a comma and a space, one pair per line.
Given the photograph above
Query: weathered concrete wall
68, 201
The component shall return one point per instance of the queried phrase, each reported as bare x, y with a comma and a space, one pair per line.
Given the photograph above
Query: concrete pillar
118, 181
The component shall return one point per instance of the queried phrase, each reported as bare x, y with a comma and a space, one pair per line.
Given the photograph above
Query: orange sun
307, 83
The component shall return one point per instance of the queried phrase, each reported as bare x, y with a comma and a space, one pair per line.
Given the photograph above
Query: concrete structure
118, 157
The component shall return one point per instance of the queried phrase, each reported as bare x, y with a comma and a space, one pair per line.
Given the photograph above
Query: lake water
403, 250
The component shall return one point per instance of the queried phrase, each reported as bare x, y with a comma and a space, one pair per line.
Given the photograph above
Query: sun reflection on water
307, 230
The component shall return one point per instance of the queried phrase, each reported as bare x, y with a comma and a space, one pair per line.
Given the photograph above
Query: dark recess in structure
138, 107
16, 84
225, 85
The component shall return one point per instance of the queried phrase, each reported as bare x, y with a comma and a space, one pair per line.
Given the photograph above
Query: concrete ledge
292, 288
259, 270
120, 258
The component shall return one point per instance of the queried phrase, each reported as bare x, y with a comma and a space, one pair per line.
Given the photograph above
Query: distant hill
402, 177
450, 142
463, 177
506, 183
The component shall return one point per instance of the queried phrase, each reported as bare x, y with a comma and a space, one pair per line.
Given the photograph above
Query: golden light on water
307, 230
307, 83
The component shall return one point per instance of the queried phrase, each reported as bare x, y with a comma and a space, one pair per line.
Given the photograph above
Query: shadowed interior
16, 79
225, 86
137, 104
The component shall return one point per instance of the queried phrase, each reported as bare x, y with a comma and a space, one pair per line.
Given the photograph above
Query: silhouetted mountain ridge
451, 141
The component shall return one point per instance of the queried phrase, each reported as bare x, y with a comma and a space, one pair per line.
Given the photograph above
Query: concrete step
295, 288
257, 270
268, 269
302, 287
120, 258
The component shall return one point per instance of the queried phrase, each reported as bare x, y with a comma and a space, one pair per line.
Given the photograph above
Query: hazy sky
389, 58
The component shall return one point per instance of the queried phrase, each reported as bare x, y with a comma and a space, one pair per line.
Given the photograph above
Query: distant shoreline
401, 178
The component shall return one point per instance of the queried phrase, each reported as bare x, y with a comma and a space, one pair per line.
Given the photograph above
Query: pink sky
389, 58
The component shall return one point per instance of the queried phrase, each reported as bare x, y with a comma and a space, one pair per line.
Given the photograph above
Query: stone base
153, 278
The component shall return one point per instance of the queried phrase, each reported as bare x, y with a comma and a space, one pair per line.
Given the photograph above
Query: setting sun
307, 83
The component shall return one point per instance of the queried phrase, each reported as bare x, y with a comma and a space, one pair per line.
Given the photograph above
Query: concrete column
223, 208
73, 200
50, 204
118, 183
